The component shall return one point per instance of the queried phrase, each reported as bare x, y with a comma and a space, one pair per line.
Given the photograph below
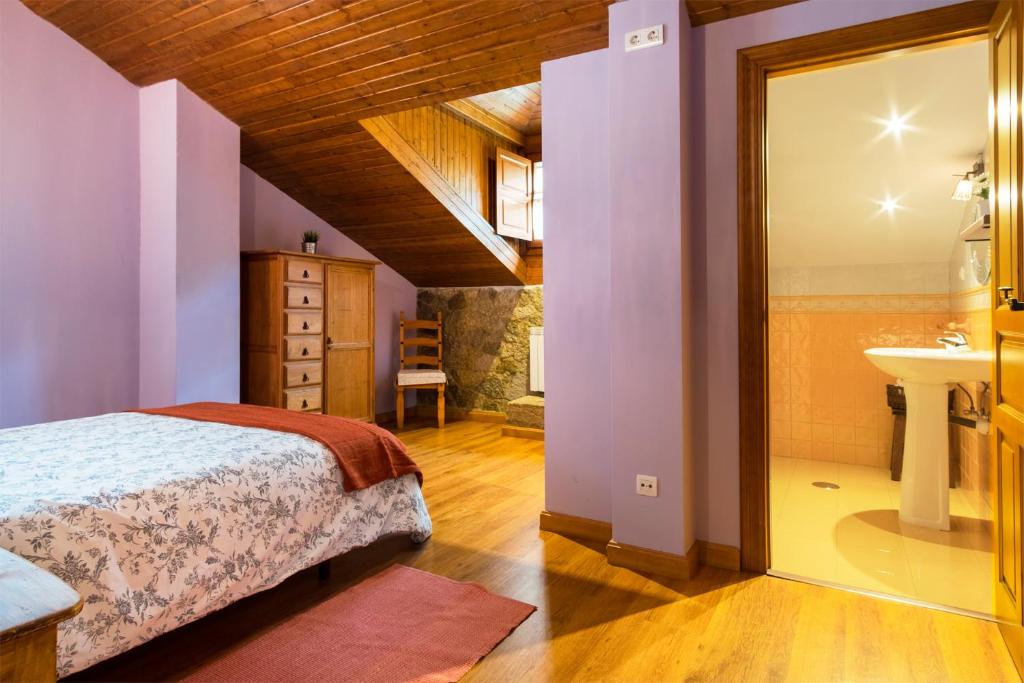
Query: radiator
537, 359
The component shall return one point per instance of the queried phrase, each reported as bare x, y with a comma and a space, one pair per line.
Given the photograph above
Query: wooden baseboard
476, 415
701, 553
576, 527
654, 561
522, 432
718, 555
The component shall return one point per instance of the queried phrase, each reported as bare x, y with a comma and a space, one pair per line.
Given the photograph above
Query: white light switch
645, 37
646, 485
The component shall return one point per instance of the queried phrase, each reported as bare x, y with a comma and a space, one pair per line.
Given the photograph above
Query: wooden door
349, 386
1007, 323
513, 191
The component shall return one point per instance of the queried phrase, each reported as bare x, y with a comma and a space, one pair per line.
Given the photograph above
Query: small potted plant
309, 240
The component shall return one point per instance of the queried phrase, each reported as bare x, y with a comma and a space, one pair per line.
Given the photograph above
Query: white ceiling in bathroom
829, 163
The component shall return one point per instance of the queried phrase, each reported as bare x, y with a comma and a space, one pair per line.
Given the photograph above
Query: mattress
157, 521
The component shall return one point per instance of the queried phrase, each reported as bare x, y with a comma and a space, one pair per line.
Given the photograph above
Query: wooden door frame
754, 66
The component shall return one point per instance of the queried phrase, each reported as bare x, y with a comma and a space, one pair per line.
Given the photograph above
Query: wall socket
645, 37
646, 485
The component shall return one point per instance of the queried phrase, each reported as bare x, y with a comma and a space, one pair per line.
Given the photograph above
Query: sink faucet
955, 341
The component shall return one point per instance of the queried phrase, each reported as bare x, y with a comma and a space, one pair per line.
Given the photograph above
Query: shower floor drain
824, 484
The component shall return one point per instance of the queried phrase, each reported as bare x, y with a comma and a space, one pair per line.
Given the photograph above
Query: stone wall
486, 342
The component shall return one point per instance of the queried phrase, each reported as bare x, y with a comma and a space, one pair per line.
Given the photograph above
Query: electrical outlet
646, 485
645, 37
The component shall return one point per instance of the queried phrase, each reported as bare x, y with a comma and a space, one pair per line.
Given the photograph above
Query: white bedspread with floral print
157, 521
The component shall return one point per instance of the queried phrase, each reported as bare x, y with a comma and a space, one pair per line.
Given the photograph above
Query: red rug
400, 625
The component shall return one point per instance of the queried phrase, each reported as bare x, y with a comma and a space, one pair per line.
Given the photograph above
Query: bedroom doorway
878, 247
1000, 23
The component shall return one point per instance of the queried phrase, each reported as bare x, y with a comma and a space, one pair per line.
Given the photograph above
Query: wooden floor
595, 622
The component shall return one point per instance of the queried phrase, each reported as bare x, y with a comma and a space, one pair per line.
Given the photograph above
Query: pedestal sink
926, 374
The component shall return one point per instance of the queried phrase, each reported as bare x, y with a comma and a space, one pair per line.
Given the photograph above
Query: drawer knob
305, 351
305, 299
305, 403
305, 274
305, 325
305, 377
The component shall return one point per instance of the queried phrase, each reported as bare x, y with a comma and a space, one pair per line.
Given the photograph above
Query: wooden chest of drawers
307, 333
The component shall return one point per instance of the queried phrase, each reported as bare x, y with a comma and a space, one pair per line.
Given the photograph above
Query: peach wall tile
801, 449
822, 450
845, 435
828, 401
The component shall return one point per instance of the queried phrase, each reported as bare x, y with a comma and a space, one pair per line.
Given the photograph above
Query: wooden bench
32, 603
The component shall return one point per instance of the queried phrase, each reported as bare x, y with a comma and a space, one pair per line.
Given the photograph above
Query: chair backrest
416, 335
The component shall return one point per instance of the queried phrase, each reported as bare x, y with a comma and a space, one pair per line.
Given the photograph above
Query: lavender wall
270, 219
718, 471
69, 214
649, 218
577, 288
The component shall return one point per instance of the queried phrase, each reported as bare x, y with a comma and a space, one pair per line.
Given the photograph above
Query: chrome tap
955, 341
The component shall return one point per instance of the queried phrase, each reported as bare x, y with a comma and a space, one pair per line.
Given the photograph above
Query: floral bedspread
157, 521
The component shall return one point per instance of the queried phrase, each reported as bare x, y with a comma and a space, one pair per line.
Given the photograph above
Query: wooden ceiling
518, 106
298, 75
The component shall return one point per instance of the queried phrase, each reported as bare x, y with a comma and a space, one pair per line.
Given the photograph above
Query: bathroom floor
852, 536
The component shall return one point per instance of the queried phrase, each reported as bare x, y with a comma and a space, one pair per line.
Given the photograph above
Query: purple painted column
650, 307
189, 275
577, 287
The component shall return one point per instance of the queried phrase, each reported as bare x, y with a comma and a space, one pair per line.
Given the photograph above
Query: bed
157, 521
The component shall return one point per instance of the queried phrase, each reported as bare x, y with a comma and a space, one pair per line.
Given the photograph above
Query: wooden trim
486, 120
391, 140
576, 527
476, 415
718, 555
654, 561
754, 66
522, 432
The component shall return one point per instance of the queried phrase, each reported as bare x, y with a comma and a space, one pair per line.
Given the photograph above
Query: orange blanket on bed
366, 453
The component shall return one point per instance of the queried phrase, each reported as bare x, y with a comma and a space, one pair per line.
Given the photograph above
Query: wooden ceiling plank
457, 86
60, 12
111, 27
383, 59
204, 68
202, 44
100, 15
194, 28
163, 17
287, 52
428, 90
492, 47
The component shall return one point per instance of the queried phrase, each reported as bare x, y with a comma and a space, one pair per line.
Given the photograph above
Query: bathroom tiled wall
827, 401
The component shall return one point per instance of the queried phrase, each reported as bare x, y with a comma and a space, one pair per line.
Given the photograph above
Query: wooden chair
419, 371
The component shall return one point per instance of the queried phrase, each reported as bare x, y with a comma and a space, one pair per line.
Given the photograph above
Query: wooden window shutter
513, 176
